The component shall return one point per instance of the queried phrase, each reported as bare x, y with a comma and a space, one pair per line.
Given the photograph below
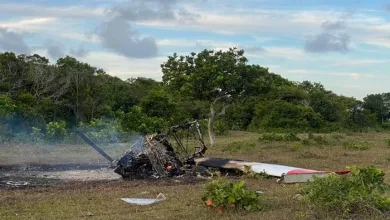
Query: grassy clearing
184, 198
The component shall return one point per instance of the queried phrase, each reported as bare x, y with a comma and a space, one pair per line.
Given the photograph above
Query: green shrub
221, 128
279, 137
37, 135
386, 126
137, 121
222, 194
356, 145
102, 130
362, 192
56, 131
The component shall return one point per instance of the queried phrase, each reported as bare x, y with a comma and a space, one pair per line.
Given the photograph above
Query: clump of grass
387, 141
289, 137
361, 192
338, 137
222, 194
316, 140
238, 146
356, 145
297, 146
310, 155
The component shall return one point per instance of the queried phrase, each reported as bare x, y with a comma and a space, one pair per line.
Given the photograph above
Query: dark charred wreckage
159, 155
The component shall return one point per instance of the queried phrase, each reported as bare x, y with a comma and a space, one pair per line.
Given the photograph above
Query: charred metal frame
189, 158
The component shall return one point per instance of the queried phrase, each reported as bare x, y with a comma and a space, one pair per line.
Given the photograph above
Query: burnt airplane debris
154, 156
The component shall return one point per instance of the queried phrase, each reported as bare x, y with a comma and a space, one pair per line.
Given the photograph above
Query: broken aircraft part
287, 174
155, 156
150, 155
142, 201
100, 151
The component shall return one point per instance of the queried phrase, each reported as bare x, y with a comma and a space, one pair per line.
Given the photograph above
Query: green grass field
101, 200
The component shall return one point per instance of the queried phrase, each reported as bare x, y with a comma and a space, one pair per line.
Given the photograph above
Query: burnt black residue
25, 175
51, 167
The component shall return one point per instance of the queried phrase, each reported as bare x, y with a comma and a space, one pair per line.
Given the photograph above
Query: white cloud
381, 42
92, 38
34, 24
358, 62
351, 75
71, 12
175, 42
124, 67
280, 23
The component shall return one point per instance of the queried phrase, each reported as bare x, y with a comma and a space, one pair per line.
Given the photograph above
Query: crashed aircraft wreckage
154, 155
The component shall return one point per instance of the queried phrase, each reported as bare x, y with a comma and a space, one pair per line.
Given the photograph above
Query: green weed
222, 194
356, 145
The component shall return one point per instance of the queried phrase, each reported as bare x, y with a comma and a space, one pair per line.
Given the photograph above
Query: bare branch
220, 97
223, 111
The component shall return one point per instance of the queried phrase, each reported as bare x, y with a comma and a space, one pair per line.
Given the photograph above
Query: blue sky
345, 45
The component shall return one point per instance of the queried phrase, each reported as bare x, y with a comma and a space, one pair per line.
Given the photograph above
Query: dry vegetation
101, 200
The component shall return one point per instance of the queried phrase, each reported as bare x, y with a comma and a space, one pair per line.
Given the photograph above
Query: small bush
221, 128
386, 126
37, 135
360, 192
222, 195
279, 137
102, 131
356, 145
56, 131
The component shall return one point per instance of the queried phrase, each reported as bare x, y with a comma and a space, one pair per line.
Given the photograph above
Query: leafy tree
279, 114
158, 103
210, 76
378, 104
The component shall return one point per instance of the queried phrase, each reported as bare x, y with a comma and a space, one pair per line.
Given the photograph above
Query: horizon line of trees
219, 88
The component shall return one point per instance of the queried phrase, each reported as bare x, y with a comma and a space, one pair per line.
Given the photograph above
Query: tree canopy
219, 88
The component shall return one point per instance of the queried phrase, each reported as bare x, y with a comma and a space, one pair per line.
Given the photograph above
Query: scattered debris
17, 183
298, 197
287, 174
145, 201
90, 214
154, 156
150, 155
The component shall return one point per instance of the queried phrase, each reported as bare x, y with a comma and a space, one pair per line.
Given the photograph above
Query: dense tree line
219, 88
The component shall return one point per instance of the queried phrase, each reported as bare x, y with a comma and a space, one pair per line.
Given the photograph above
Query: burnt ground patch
43, 175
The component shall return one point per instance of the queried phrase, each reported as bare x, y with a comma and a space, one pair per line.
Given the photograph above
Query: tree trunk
211, 125
211, 131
